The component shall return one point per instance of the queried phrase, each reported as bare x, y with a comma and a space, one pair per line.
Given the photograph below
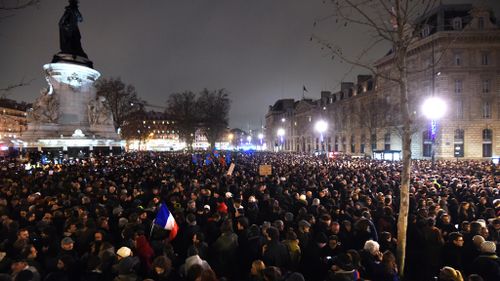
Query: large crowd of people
312, 219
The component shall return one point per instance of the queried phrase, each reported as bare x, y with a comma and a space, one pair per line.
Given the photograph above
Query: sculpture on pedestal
70, 38
99, 112
69, 34
45, 108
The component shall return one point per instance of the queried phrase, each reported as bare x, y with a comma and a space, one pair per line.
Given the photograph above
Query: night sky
259, 50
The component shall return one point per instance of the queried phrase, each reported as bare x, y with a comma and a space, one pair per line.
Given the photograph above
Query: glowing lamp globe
321, 126
434, 108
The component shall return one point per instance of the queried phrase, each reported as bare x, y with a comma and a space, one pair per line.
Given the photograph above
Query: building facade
12, 118
456, 59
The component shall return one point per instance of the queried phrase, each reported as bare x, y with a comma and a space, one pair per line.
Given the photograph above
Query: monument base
75, 146
73, 59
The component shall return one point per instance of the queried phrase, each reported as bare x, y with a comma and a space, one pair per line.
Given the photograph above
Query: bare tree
182, 108
214, 107
11, 5
398, 23
122, 99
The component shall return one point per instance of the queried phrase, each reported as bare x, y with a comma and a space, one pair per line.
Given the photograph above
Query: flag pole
152, 228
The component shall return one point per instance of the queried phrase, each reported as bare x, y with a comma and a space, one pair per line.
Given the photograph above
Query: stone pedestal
62, 115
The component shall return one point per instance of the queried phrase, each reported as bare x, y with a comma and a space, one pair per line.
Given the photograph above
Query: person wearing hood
487, 264
190, 262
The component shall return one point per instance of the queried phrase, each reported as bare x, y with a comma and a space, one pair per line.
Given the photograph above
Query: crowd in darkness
312, 219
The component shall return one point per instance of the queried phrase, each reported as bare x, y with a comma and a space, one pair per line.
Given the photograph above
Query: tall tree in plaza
122, 99
182, 107
399, 24
214, 110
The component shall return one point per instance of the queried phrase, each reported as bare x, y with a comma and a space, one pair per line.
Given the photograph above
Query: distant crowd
312, 219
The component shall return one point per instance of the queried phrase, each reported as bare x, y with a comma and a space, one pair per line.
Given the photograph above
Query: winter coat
276, 254
488, 266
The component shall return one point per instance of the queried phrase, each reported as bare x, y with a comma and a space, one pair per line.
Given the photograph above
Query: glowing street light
321, 127
261, 137
249, 139
434, 109
281, 135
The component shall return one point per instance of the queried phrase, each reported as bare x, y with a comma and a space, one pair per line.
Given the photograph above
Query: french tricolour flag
166, 220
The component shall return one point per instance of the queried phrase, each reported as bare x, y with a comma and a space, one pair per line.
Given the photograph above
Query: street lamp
434, 109
261, 137
321, 127
249, 139
281, 134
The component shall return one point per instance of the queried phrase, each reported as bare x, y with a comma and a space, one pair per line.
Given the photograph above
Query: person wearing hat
303, 233
67, 250
127, 265
487, 264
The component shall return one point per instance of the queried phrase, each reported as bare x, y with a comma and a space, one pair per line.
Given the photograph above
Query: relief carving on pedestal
45, 108
99, 112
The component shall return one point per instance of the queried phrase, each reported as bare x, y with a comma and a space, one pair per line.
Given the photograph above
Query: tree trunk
406, 168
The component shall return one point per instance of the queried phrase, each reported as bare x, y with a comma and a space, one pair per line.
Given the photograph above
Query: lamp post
434, 109
281, 135
321, 127
249, 139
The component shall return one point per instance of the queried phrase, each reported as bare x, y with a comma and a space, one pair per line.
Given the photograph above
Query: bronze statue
69, 34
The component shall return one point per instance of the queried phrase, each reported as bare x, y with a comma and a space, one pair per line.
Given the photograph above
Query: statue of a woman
69, 34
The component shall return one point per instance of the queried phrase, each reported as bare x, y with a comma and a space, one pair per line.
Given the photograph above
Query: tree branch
18, 6
13, 86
